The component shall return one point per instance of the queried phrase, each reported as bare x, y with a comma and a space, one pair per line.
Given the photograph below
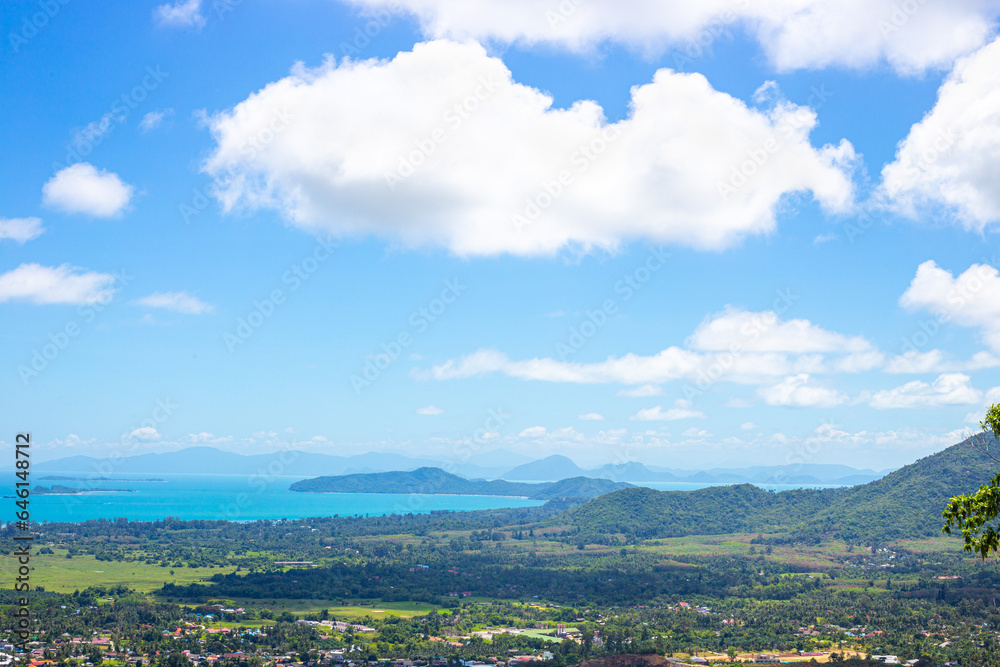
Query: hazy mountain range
497, 464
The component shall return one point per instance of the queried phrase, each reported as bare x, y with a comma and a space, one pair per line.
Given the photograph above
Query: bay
249, 498
233, 498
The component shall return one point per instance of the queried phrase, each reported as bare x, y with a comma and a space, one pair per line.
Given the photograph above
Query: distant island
434, 481
59, 489
61, 478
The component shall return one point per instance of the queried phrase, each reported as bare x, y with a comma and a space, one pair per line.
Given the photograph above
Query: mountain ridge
906, 503
430, 480
201, 459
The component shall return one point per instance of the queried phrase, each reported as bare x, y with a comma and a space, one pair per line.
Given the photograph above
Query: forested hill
905, 503
909, 501
437, 481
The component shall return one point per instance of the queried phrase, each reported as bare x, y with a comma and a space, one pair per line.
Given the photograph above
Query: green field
339, 612
933, 545
65, 575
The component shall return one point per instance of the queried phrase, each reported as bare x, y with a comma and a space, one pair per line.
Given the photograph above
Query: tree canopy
974, 515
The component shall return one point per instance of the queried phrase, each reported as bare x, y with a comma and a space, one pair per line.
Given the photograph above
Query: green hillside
909, 501
642, 513
905, 503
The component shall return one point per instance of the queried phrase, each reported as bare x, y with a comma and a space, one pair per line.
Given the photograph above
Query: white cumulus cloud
952, 157
771, 348
81, 188
430, 410
441, 146
799, 391
591, 417
972, 299
947, 389
910, 36
55, 285
144, 433
766, 332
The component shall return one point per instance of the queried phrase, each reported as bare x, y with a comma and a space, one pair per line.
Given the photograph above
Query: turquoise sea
248, 498
234, 498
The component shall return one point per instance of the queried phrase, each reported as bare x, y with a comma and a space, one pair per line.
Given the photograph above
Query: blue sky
688, 236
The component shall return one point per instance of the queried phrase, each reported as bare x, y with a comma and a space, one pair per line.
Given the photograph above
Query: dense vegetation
633, 571
906, 503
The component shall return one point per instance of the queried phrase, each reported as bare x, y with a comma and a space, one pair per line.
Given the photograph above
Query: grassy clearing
65, 575
300, 607
933, 545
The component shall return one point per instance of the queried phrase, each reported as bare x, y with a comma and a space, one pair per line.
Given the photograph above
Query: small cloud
55, 285
682, 410
645, 391
767, 92
591, 417
180, 14
416, 357
430, 410
695, 433
146, 434
81, 188
748, 426
557, 313
180, 302
799, 391
824, 238
947, 389
533, 432
154, 119
208, 438
20, 230
72, 441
